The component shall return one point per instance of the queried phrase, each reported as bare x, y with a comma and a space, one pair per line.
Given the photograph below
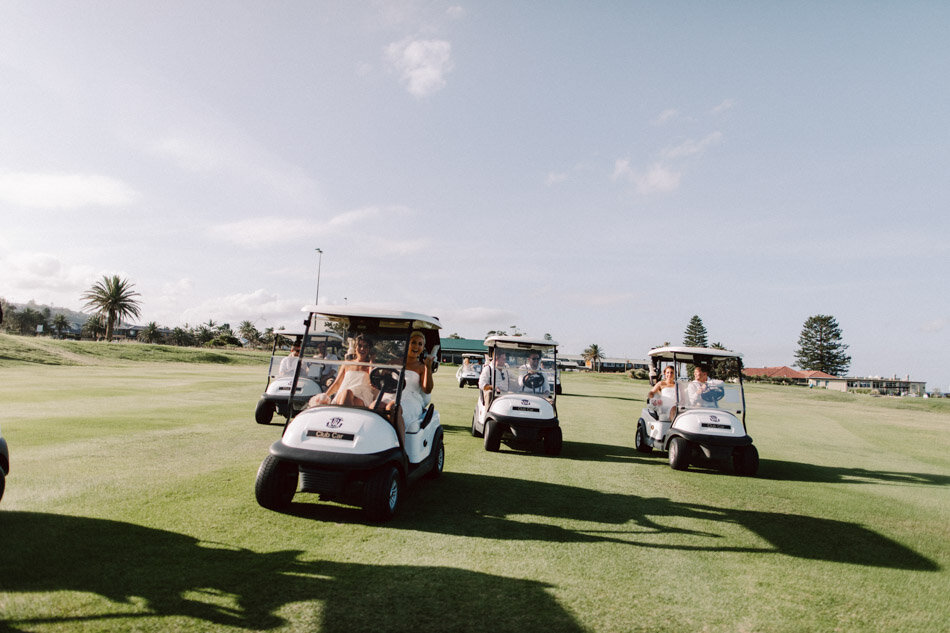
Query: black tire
3, 482
461, 384
679, 453
475, 432
264, 412
745, 461
553, 441
276, 483
438, 459
383, 494
640, 440
493, 432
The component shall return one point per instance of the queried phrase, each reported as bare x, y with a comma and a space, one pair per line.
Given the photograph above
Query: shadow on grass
506, 508
800, 471
159, 573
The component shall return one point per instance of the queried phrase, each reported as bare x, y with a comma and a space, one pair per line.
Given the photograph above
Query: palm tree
93, 327
181, 337
114, 299
249, 332
150, 333
594, 355
60, 323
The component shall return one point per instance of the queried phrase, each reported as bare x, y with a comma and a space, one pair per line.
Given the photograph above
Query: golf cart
698, 418
468, 372
315, 372
515, 401
4, 464
346, 447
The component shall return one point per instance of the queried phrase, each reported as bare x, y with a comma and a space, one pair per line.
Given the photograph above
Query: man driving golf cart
698, 420
515, 402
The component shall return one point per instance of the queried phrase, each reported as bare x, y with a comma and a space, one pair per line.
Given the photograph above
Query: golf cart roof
314, 336
688, 354
479, 356
519, 342
419, 321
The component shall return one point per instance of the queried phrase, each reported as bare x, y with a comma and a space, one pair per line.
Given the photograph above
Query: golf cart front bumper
525, 429
712, 446
329, 473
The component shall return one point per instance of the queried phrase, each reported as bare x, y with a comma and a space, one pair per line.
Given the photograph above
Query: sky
597, 171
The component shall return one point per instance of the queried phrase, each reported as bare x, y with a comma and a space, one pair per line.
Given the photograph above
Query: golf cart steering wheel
384, 379
533, 380
713, 394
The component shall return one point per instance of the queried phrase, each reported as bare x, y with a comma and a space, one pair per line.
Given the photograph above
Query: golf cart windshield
320, 349
368, 375
522, 372
713, 394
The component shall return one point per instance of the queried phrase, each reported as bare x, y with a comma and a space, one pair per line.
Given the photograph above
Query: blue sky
598, 171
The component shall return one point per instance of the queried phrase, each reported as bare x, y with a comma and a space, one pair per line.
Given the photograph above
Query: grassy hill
18, 350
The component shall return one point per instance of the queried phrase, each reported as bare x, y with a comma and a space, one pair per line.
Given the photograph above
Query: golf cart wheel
438, 459
461, 384
264, 412
553, 441
276, 483
679, 453
745, 461
475, 432
493, 433
640, 440
3, 482
382, 494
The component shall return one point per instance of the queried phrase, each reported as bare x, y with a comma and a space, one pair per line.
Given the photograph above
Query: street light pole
319, 264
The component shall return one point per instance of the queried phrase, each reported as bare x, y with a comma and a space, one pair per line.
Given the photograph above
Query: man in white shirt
500, 383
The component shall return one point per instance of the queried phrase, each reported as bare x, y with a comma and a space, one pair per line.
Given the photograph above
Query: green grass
131, 506
18, 350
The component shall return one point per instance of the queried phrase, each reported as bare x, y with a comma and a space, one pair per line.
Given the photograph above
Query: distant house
884, 386
453, 348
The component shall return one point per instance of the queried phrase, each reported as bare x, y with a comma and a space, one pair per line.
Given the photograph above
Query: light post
319, 264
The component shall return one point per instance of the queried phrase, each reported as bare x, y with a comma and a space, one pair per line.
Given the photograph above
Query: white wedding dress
413, 401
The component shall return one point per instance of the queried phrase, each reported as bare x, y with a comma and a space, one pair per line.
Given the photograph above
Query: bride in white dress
416, 394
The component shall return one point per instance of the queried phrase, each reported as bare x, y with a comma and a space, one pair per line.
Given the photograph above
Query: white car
315, 373
348, 449
468, 372
515, 402
698, 418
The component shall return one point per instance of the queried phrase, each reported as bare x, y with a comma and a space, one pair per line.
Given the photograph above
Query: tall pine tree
695, 335
820, 347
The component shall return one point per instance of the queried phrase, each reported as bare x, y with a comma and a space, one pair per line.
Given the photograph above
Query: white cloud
422, 64
691, 147
728, 104
659, 178
666, 116
43, 277
64, 191
935, 325
455, 12
554, 178
237, 307
489, 318
263, 232
191, 154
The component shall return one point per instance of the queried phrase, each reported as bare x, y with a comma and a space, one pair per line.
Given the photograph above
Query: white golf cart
348, 449
468, 372
515, 401
4, 464
698, 418
315, 372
